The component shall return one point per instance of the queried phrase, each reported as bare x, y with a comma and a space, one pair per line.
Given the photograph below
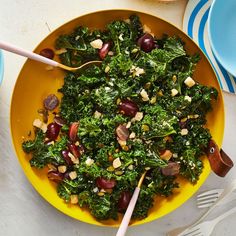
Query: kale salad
139, 110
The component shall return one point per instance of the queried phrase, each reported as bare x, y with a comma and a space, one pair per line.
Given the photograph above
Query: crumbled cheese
95, 190
144, 95
175, 155
132, 135
97, 114
137, 71
73, 175
97, 43
107, 89
116, 163
187, 143
184, 132
138, 116
121, 37
62, 169
89, 161
41, 125
74, 199
131, 167
147, 168
110, 53
111, 84
189, 82
128, 125
187, 98
174, 92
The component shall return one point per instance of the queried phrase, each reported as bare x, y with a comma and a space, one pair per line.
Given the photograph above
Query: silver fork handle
224, 215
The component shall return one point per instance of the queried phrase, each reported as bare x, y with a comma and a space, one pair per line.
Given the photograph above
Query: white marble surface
22, 210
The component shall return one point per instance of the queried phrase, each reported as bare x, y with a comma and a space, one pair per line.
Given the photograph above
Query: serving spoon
34, 56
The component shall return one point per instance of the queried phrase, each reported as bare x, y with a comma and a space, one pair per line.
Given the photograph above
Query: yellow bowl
35, 83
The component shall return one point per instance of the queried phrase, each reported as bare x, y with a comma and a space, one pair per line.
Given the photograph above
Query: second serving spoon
34, 56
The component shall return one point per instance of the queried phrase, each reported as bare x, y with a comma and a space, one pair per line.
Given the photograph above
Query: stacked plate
211, 24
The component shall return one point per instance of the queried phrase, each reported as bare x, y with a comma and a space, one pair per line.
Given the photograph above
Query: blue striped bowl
222, 33
195, 24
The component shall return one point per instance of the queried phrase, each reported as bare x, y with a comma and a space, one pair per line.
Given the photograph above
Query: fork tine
208, 197
214, 191
203, 201
205, 205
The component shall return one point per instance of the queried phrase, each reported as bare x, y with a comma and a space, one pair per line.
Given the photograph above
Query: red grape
147, 43
104, 50
51, 102
105, 183
124, 200
53, 130
171, 169
73, 131
122, 132
47, 52
65, 154
128, 107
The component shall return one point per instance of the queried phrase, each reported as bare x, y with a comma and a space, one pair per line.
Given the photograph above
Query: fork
205, 228
223, 197
208, 198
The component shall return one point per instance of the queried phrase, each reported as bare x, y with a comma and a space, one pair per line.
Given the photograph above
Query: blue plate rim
1, 66
212, 44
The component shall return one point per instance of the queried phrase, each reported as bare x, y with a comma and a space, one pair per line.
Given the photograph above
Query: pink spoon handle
126, 219
14, 49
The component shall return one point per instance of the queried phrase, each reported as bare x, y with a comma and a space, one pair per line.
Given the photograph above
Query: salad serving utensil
222, 199
127, 216
34, 56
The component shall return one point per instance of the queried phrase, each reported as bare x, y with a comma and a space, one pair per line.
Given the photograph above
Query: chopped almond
62, 169
73, 175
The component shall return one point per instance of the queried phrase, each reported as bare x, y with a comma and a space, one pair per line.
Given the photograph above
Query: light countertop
22, 210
